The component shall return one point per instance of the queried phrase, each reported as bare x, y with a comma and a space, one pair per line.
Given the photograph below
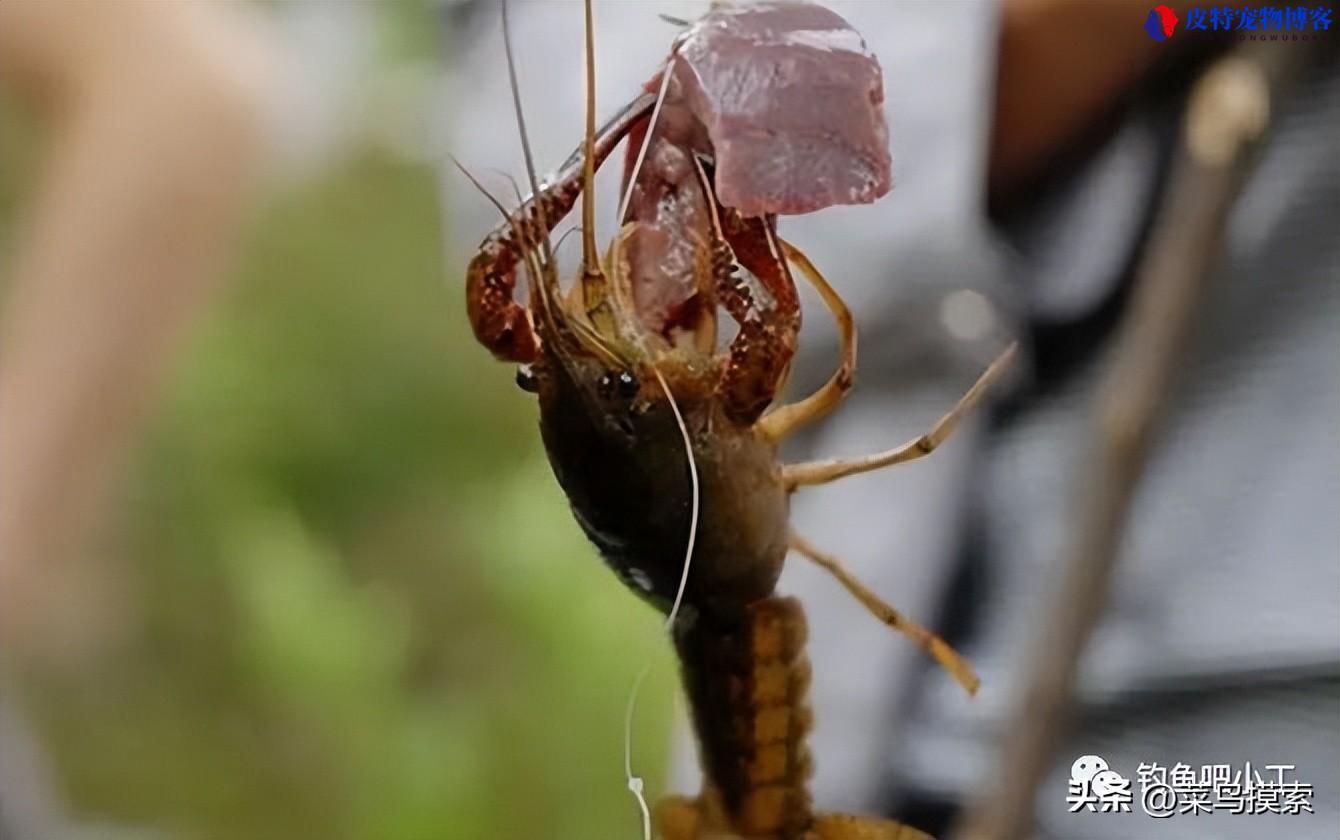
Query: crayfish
659, 437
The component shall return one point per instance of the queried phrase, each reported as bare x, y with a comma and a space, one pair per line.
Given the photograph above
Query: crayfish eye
526, 379
623, 385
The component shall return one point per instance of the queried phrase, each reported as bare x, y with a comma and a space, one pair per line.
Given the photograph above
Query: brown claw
761, 353
499, 322
767, 311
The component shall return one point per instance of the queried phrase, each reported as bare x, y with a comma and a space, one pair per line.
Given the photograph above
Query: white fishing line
634, 782
693, 522
646, 142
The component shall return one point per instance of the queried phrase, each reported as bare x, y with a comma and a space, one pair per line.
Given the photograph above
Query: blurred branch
1227, 114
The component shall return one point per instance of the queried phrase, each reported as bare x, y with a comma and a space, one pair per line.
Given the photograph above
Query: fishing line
693, 480
646, 141
635, 783
670, 397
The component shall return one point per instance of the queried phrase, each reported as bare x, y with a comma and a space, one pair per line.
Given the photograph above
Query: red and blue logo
1161, 23
1244, 23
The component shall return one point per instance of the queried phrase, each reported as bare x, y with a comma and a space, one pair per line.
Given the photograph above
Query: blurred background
334, 590
331, 589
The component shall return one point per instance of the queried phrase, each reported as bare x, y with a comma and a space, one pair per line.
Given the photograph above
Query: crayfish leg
692, 818
937, 647
822, 472
784, 420
677, 818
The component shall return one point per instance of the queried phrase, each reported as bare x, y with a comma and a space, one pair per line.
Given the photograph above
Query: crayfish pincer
665, 441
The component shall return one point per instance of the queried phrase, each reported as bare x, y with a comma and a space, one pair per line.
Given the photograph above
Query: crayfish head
612, 360
618, 399
616, 450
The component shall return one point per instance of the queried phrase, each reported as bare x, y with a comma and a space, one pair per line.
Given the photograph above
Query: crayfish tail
747, 680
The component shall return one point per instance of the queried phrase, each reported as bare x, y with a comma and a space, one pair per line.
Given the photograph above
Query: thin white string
693, 523
635, 783
646, 142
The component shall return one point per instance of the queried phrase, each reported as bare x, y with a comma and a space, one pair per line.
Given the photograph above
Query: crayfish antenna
595, 289
590, 255
520, 113
469, 176
540, 266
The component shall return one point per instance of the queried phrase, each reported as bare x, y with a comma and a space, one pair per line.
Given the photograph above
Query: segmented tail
747, 680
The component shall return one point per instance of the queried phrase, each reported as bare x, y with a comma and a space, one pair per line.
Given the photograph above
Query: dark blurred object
1222, 601
1228, 113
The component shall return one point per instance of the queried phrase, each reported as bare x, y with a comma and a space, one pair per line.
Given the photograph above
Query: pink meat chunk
793, 104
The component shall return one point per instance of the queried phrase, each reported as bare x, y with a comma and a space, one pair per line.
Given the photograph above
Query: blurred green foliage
363, 610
